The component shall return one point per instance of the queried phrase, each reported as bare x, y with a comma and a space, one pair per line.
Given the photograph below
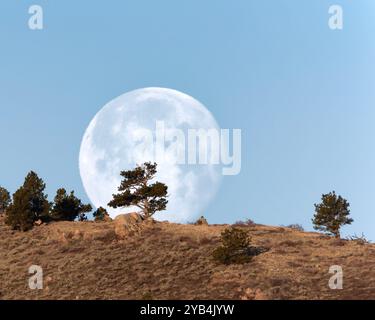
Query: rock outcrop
128, 224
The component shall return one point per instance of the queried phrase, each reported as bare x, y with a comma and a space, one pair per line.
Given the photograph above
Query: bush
147, 296
4, 199
331, 214
101, 214
296, 226
359, 239
246, 223
234, 248
82, 217
201, 221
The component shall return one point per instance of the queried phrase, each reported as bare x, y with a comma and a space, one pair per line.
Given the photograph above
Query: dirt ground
87, 260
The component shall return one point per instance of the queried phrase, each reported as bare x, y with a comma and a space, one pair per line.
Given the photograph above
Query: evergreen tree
35, 187
135, 190
68, 207
4, 199
331, 214
29, 204
101, 214
19, 215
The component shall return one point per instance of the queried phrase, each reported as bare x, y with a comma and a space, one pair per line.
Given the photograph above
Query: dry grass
85, 260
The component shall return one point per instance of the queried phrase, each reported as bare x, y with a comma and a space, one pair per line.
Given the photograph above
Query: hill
161, 260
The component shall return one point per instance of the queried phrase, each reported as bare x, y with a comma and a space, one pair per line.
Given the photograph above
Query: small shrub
234, 248
147, 296
201, 221
246, 223
296, 226
359, 239
101, 214
82, 217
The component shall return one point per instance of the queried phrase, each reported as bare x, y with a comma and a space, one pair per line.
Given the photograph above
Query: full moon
124, 134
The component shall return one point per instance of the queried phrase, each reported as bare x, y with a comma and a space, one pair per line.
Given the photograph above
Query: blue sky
302, 93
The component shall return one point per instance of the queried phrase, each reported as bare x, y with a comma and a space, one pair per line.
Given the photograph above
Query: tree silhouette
135, 190
331, 214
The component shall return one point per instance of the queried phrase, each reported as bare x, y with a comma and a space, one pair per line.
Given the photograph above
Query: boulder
127, 224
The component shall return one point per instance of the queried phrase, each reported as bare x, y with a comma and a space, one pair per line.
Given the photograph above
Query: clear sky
302, 93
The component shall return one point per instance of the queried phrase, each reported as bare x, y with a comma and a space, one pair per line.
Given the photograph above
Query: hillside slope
87, 260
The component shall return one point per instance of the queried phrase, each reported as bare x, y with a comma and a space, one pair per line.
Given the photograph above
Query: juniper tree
331, 214
234, 248
4, 199
29, 204
68, 207
136, 190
